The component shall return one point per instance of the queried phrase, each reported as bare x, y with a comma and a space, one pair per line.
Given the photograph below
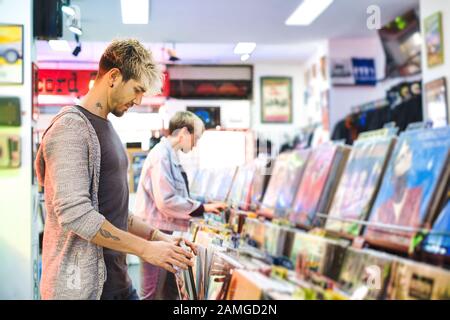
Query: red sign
74, 82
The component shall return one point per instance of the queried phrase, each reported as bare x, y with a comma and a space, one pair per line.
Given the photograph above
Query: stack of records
365, 274
222, 266
315, 255
283, 184
277, 239
418, 281
253, 285
359, 184
438, 241
322, 173
253, 232
412, 187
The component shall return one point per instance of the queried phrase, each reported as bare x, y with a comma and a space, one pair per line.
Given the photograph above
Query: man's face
189, 140
125, 95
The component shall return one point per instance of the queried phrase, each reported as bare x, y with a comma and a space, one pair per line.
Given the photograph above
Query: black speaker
48, 19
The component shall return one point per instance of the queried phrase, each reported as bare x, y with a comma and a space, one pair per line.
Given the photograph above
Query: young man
82, 165
163, 196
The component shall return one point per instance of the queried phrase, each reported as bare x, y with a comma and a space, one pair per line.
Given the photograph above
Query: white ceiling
207, 30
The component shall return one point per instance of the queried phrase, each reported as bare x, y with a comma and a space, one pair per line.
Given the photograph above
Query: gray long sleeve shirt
68, 166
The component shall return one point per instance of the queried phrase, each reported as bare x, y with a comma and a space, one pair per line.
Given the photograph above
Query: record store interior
321, 171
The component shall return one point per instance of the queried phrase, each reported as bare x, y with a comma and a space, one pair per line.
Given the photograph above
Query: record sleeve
418, 281
365, 274
412, 186
312, 185
438, 241
359, 184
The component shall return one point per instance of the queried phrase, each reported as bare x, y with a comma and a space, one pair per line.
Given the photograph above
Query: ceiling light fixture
74, 22
135, 11
245, 57
244, 47
59, 45
68, 10
307, 12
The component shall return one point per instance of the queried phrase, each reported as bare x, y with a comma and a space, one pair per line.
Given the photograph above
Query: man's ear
115, 76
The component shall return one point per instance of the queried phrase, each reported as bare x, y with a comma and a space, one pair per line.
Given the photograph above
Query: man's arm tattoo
106, 234
99, 105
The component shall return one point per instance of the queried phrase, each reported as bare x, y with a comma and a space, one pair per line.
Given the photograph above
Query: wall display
359, 184
434, 39
436, 106
402, 50
276, 100
11, 54
418, 281
412, 186
353, 72
10, 113
209, 115
10, 151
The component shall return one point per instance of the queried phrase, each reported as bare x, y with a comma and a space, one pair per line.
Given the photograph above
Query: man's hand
160, 236
215, 207
167, 255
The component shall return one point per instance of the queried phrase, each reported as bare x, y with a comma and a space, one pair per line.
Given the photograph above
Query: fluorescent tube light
307, 12
134, 11
244, 47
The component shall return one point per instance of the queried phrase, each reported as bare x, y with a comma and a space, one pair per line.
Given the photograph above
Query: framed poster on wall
434, 40
276, 100
11, 54
436, 102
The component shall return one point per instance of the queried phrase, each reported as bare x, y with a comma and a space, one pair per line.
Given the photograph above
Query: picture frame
436, 105
434, 41
276, 99
11, 54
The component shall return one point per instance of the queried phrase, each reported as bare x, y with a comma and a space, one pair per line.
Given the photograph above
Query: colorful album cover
312, 184
410, 184
308, 254
438, 241
365, 274
359, 184
284, 181
295, 168
418, 281
276, 181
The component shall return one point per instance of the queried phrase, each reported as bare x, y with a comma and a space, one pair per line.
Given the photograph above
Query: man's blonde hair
186, 119
134, 62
